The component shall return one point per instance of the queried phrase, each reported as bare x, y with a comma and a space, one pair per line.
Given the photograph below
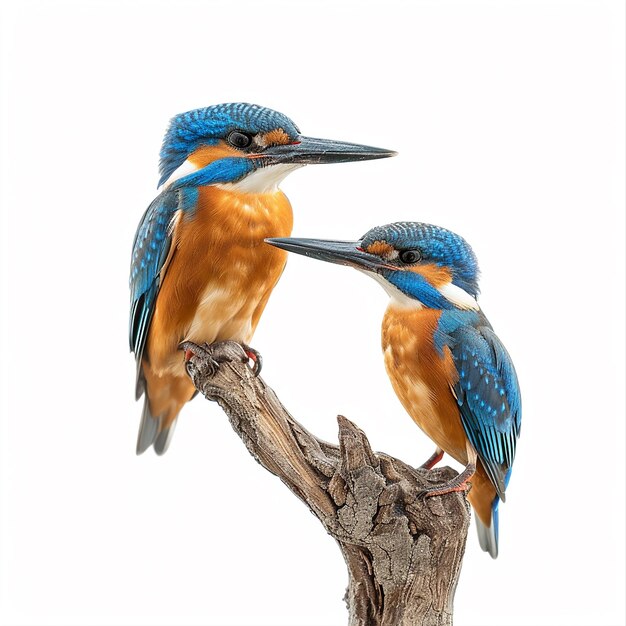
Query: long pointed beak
310, 150
340, 252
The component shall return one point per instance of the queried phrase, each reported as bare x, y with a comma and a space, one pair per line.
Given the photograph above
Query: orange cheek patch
434, 274
380, 248
204, 155
276, 137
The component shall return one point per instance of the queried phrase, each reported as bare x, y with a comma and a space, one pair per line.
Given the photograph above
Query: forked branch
403, 552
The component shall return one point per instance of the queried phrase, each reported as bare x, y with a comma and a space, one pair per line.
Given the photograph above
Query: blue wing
153, 242
151, 249
488, 396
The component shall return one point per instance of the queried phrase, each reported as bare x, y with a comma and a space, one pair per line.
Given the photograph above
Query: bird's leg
436, 456
255, 357
458, 483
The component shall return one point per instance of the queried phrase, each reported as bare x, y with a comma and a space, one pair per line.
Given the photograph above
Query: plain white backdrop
509, 121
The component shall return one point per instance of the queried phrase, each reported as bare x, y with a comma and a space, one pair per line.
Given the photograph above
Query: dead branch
403, 552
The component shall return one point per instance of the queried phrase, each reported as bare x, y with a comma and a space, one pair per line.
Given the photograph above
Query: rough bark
403, 551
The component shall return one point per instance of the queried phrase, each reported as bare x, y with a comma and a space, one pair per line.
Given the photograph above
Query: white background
509, 121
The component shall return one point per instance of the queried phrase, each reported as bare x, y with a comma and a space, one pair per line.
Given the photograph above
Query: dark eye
239, 139
410, 256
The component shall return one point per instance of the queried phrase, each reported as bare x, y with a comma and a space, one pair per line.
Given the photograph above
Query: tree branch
403, 552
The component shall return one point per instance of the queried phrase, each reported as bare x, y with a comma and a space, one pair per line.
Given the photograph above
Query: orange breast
421, 376
221, 273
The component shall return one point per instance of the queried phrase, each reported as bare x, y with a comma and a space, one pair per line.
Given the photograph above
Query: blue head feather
188, 131
437, 245
225, 170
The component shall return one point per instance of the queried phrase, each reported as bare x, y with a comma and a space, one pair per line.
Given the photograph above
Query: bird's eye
238, 139
410, 256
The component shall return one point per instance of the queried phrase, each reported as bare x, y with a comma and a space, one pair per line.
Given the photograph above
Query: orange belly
217, 282
422, 379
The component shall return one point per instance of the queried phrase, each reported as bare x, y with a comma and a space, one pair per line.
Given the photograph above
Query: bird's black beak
340, 252
309, 150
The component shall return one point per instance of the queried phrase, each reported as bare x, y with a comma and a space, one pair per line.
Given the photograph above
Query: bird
447, 366
200, 271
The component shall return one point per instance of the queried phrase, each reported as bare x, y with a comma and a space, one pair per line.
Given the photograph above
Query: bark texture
403, 552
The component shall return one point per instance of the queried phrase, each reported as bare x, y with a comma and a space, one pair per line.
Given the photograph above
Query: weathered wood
403, 551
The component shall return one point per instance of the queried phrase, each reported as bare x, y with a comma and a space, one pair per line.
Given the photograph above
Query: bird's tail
154, 430
164, 398
488, 534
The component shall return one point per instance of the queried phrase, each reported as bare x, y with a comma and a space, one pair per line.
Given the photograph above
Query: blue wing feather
151, 248
153, 241
487, 392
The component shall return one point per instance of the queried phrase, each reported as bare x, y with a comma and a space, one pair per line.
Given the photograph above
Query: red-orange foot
458, 483
255, 357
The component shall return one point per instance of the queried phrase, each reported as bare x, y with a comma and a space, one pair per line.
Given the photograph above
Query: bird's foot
256, 358
433, 460
458, 483
209, 358
204, 353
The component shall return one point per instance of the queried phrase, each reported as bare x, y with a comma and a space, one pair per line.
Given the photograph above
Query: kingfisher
447, 366
199, 270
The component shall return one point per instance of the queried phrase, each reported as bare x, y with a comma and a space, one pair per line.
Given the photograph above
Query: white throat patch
398, 299
264, 180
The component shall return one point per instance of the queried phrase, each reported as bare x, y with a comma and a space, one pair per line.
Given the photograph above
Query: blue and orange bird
200, 271
446, 365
